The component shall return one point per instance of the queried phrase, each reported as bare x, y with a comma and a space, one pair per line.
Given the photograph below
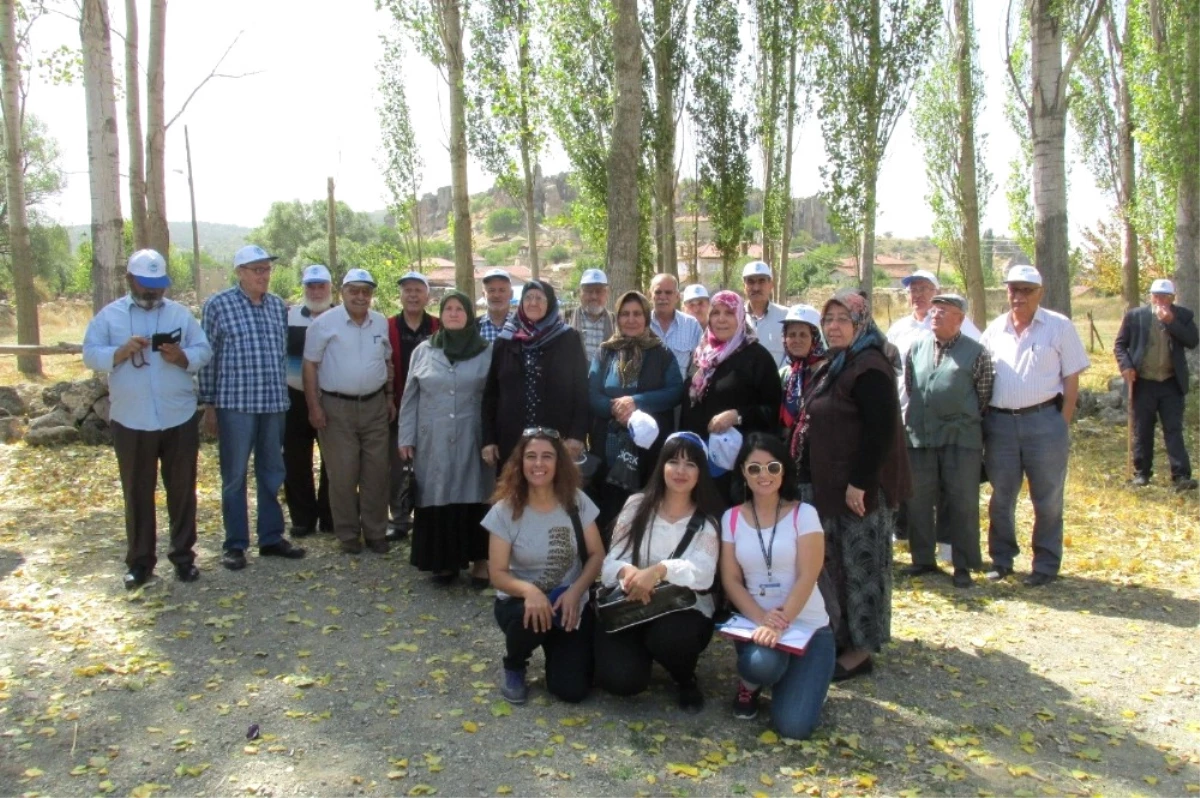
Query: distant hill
218, 240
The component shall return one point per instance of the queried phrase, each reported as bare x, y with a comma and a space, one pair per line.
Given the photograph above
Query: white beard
318, 307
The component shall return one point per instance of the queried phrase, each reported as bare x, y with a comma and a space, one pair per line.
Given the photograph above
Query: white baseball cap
358, 276
756, 269
149, 268
805, 313
694, 291
920, 274
723, 448
1024, 274
643, 429
412, 276
1159, 286
497, 273
251, 253
317, 273
593, 277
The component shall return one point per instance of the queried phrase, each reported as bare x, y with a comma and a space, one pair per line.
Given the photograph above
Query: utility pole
331, 230
195, 227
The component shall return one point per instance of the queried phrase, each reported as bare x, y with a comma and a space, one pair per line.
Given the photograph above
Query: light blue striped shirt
682, 338
159, 395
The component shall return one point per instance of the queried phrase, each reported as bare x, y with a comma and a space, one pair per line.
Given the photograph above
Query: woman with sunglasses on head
849, 444
772, 550
732, 382
541, 575
538, 378
679, 496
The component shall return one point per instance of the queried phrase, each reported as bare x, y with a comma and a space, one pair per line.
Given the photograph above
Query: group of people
762, 458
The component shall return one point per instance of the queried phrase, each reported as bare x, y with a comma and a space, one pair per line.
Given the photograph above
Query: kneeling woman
772, 550
646, 537
543, 554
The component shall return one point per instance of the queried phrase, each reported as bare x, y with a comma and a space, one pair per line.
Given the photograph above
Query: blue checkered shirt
248, 370
489, 331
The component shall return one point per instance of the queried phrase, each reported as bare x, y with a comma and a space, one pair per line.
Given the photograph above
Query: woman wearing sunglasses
678, 495
850, 446
772, 550
544, 553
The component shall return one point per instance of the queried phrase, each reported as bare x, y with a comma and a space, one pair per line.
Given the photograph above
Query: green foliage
558, 253
292, 226
814, 269
501, 253
402, 164
439, 248
1103, 255
503, 221
52, 261
1019, 186
752, 227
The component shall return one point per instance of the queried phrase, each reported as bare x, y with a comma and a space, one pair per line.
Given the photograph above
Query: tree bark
1187, 202
331, 229
103, 154
133, 125
452, 31
623, 157
665, 45
781, 291
156, 134
528, 170
20, 247
187, 145
967, 185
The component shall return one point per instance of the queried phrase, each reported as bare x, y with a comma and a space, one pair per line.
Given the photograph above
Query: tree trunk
133, 124
1187, 203
20, 247
1126, 157
866, 260
665, 45
1048, 124
528, 170
623, 157
331, 229
464, 267
156, 134
196, 280
781, 292
968, 188
103, 154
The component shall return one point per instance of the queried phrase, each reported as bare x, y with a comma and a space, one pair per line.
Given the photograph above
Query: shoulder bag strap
693, 527
580, 543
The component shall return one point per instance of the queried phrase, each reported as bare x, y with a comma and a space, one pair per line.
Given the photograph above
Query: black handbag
626, 472
617, 612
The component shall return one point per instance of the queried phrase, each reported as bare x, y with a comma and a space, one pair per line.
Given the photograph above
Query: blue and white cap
694, 291
149, 268
756, 269
1162, 286
358, 276
723, 448
920, 274
593, 277
317, 273
251, 253
805, 313
413, 276
1024, 274
494, 274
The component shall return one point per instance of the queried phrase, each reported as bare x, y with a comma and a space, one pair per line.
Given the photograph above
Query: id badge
770, 590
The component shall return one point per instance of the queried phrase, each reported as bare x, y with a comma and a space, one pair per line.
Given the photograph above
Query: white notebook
794, 640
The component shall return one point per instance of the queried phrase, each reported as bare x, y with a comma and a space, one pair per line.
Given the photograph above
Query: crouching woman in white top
772, 550
645, 538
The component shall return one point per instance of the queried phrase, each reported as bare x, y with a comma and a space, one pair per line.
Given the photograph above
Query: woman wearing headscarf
849, 444
632, 370
732, 382
803, 349
440, 432
538, 378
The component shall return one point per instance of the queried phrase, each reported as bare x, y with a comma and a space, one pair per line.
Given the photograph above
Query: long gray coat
441, 416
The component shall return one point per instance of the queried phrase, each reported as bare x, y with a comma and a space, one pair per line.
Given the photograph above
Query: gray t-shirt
543, 544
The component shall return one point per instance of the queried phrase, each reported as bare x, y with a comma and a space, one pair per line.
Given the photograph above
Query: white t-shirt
770, 591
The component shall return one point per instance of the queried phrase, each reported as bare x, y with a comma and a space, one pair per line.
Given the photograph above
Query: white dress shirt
1031, 367
352, 358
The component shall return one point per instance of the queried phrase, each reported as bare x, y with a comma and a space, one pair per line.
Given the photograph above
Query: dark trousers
400, 485
307, 506
140, 454
1154, 399
568, 654
624, 659
944, 505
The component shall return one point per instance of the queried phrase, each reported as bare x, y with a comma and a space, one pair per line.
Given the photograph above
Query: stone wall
66, 412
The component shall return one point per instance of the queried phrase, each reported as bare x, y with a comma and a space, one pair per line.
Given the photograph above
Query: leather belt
1022, 411
350, 398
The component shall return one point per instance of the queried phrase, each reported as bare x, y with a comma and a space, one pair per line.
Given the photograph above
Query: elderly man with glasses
244, 393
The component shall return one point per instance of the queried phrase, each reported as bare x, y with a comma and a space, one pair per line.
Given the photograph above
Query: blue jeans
237, 435
798, 684
1034, 446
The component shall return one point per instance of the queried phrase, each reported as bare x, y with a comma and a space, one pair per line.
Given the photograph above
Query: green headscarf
461, 344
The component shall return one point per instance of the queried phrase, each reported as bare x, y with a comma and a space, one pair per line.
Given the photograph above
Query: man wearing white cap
763, 316
679, 331
308, 505
412, 325
150, 347
497, 287
696, 304
1038, 357
1150, 353
921, 286
244, 393
347, 385
592, 319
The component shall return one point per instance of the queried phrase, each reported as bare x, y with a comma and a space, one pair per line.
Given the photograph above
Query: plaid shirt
489, 331
983, 372
248, 370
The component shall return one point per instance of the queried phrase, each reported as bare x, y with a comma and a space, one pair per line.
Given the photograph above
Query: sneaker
1185, 483
514, 689
745, 703
691, 700
234, 559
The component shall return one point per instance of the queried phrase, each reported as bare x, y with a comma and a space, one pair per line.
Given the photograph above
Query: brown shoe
351, 547
379, 546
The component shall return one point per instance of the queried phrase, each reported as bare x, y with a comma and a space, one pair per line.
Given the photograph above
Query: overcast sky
310, 113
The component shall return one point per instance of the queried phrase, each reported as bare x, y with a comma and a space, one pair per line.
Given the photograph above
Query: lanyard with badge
770, 588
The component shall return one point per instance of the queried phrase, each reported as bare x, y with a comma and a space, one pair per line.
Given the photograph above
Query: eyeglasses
1023, 290
774, 468
541, 432
837, 320
256, 270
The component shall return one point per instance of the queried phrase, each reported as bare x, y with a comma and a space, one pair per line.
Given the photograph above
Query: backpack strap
694, 526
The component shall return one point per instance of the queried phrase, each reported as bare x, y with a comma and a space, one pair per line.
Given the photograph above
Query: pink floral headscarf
712, 352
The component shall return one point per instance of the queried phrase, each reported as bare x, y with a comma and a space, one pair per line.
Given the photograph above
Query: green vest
943, 409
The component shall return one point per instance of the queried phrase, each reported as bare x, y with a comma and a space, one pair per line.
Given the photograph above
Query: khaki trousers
354, 446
